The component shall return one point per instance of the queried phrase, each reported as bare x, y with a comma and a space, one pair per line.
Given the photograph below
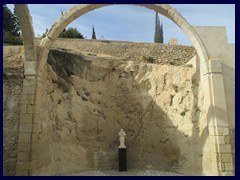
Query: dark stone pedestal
122, 159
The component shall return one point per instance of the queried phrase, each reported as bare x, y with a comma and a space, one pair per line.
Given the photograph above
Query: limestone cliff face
90, 92
88, 98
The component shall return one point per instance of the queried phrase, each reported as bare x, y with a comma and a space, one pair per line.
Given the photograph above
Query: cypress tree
158, 35
161, 32
93, 33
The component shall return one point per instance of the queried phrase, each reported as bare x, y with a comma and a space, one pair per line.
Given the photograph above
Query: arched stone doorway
36, 57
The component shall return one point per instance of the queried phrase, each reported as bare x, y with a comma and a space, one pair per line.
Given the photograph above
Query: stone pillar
29, 116
221, 152
27, 125
29, 119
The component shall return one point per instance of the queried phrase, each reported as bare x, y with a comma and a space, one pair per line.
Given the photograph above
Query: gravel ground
147, 172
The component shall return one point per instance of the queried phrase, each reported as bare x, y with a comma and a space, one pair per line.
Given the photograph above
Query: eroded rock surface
88, 97
91, 97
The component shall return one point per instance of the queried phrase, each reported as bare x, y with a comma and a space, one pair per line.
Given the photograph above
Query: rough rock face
12, 87
90, 97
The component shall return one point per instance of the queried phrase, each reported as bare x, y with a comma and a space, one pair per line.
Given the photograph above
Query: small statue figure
122, 135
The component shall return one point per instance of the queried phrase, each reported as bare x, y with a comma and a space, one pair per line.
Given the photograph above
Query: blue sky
134, 23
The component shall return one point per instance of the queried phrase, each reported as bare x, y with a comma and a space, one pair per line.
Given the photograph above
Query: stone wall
222, 54
137, 51
12, 88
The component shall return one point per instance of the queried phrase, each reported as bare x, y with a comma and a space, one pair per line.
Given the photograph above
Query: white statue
122, 135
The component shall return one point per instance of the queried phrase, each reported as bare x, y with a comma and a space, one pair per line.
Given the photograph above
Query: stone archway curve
163, 9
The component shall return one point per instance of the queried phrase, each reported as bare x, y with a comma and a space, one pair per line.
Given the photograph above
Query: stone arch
210, 75
27, 30
163, 9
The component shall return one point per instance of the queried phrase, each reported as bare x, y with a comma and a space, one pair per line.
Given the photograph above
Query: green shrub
189, 65
71, 33
148, 59
175, 63
8, 38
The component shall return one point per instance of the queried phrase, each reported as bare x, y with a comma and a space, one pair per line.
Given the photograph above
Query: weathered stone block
36, 127
29, 82
226, 148
172, 12
227, 139
186, 28
23, 156
218, 130
22, 166
31, 76
222, 131
30, 55
178, 18
25, 128
29, 45
28, 90
27, 30
229, 166
30, 108
30, 68
23, 108
21, 173
226, 157
36, 118
25, 118
24, 99
24, 137
31, 97
23, 147
34, 137
227, 173
220, 139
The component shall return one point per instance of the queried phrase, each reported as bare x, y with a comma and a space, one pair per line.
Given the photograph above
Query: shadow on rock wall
89, 98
